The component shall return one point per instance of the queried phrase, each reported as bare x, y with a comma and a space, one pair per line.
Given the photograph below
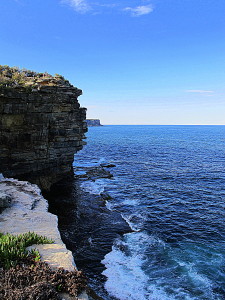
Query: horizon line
163, 125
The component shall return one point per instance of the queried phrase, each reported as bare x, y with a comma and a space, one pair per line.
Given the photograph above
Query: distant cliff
93, 122
42, 126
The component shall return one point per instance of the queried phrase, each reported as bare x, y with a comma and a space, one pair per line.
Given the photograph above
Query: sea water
169, 185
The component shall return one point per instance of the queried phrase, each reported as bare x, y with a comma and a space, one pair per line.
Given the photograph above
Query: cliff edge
28, 211
42, 126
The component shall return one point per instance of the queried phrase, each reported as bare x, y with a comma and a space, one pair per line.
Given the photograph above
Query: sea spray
169, 186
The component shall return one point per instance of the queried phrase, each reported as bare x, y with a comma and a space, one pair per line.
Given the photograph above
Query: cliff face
41, 128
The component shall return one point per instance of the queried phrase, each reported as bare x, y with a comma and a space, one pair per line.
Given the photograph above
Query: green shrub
13, 247
11, 77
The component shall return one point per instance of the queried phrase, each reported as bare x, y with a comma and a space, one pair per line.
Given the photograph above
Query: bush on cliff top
23, 276
13, 247
16, 77
36, 281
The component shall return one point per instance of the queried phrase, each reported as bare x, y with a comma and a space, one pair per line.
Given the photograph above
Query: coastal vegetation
24, 276
13, 247
29, 101
12, 77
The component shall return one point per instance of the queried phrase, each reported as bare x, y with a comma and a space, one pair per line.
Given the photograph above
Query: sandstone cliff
42, 126
29, 212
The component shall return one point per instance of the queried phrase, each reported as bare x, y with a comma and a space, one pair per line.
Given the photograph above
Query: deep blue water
169, 185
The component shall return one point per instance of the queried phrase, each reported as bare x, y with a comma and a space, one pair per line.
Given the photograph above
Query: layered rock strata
42, 126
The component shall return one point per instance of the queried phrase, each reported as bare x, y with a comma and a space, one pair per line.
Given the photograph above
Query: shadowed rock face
40, 131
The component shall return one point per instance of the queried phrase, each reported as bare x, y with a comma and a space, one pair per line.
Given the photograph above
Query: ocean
168, 185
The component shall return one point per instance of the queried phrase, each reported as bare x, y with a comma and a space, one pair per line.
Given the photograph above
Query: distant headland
93, 122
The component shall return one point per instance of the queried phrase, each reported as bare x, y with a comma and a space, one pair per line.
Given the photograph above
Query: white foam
93, 187
195, 276
135, 224
90, 241
85, 164
134, 227
109, 205
130, 202
89, 163
126, 279
200, 279
102, 161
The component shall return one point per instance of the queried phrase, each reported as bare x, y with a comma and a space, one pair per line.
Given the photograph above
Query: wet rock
87, 226
5, 200
98, 172
105, 196
105, 165
94, 173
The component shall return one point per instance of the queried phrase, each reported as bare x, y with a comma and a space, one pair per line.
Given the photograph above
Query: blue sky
137, 61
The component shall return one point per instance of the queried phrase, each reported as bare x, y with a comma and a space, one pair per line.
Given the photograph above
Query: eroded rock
107, 165
29, 212
94, 173
40, 130
5, 200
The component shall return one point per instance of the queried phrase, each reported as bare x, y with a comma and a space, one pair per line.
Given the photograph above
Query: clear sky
137, 61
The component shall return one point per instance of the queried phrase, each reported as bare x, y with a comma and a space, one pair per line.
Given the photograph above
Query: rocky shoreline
87, 226
42, 126
28, 211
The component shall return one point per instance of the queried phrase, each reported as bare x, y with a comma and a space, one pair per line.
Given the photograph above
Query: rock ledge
29, 212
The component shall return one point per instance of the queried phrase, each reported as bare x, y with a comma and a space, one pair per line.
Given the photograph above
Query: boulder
5, 200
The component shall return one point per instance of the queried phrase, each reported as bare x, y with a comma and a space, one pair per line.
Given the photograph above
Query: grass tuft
13, 247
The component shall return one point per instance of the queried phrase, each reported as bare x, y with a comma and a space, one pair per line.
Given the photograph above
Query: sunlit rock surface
29, 212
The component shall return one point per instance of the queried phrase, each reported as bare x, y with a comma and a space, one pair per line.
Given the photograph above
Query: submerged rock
94, 173
98, 172
105, 165
105, 196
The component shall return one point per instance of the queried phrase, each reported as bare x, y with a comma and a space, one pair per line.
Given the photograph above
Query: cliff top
12, 77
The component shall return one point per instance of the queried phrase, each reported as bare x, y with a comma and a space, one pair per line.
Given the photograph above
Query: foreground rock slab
29, 212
